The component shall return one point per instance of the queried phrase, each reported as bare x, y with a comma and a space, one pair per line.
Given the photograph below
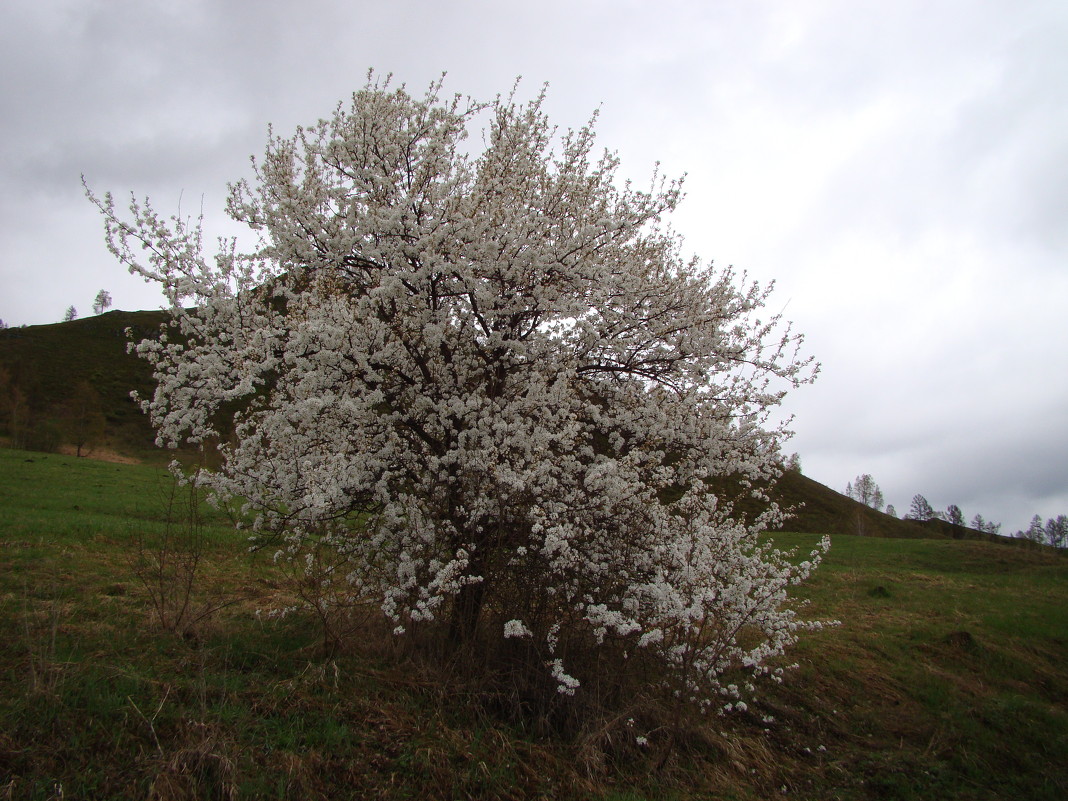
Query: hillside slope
817, 508
47, 361
947, 678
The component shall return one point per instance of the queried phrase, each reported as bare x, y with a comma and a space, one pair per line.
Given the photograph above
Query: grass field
948, 677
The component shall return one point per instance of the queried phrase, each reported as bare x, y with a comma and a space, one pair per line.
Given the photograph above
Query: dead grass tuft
201, 771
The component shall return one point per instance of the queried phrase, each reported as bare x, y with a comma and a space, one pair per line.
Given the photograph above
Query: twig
150, 722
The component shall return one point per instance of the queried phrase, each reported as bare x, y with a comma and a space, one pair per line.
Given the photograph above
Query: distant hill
47, 362
819, 509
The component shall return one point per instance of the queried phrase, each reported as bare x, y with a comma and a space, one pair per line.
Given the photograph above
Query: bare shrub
168, 565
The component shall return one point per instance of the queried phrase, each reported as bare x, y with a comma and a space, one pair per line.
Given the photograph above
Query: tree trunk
466, 610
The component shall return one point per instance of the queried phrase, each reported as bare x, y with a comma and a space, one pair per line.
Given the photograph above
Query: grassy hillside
820, 509
948, 678
48, 361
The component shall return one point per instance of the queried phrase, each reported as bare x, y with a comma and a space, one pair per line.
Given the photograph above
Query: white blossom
489, 381
516, 628
565, 684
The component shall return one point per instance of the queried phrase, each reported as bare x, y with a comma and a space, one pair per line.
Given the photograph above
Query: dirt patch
100, 455
962, 641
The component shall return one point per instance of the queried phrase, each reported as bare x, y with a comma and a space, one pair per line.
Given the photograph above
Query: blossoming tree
488, 383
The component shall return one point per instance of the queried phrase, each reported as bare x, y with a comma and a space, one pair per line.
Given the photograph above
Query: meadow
948, 677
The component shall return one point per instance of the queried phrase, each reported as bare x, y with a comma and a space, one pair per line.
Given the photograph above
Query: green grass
948, 678
949, 675
64, 496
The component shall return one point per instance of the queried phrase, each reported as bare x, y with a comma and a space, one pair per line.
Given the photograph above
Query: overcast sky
899, 168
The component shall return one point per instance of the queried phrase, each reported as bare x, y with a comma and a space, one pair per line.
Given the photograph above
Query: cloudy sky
900, 169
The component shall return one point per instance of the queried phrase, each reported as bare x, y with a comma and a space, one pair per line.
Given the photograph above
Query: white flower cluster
492, 383
516, 628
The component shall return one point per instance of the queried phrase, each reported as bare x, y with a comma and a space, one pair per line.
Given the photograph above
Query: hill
46, 363
819, 509
947, 679
42, 366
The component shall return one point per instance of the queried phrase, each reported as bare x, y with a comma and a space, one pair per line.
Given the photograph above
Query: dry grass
947, 679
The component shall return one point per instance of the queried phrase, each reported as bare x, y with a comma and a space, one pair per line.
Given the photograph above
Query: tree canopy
489, 384
920, 509
866, 491
102, 302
